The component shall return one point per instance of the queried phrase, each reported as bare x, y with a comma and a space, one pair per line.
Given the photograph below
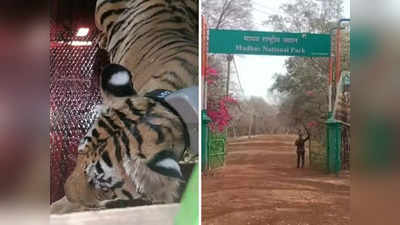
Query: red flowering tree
312, 124
220, 115
210, 76
217, 103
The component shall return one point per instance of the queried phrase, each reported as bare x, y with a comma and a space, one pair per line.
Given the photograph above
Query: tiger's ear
116, 81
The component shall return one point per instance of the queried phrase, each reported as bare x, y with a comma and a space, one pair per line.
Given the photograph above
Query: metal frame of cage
75, 64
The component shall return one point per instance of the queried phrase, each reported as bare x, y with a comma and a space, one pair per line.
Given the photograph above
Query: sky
256, 72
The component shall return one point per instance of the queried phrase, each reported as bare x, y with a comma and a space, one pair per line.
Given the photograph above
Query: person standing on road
300, 142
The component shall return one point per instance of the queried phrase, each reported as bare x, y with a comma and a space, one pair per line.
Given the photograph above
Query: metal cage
75, 64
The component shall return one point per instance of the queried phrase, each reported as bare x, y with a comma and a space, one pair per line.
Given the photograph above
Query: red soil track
260, 184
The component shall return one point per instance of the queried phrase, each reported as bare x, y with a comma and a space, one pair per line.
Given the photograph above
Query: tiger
156, 40
131, 151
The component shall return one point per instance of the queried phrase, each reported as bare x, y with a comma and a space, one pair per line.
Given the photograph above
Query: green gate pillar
333, 145
204, 139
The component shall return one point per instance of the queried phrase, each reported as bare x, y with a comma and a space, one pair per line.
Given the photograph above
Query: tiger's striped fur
132, 149
119, 156
156, 40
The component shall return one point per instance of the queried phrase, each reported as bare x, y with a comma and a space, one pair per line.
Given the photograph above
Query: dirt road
260, 184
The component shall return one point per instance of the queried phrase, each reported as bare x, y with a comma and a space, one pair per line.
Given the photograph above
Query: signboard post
269, 43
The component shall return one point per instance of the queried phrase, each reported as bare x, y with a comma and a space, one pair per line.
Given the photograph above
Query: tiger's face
132, 149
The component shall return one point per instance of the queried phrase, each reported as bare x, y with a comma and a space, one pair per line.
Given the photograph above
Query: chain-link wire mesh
74, 93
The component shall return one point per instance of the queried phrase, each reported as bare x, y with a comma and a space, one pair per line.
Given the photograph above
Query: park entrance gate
278, 44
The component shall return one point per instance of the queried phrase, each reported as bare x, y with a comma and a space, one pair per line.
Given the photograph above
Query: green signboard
269, 43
